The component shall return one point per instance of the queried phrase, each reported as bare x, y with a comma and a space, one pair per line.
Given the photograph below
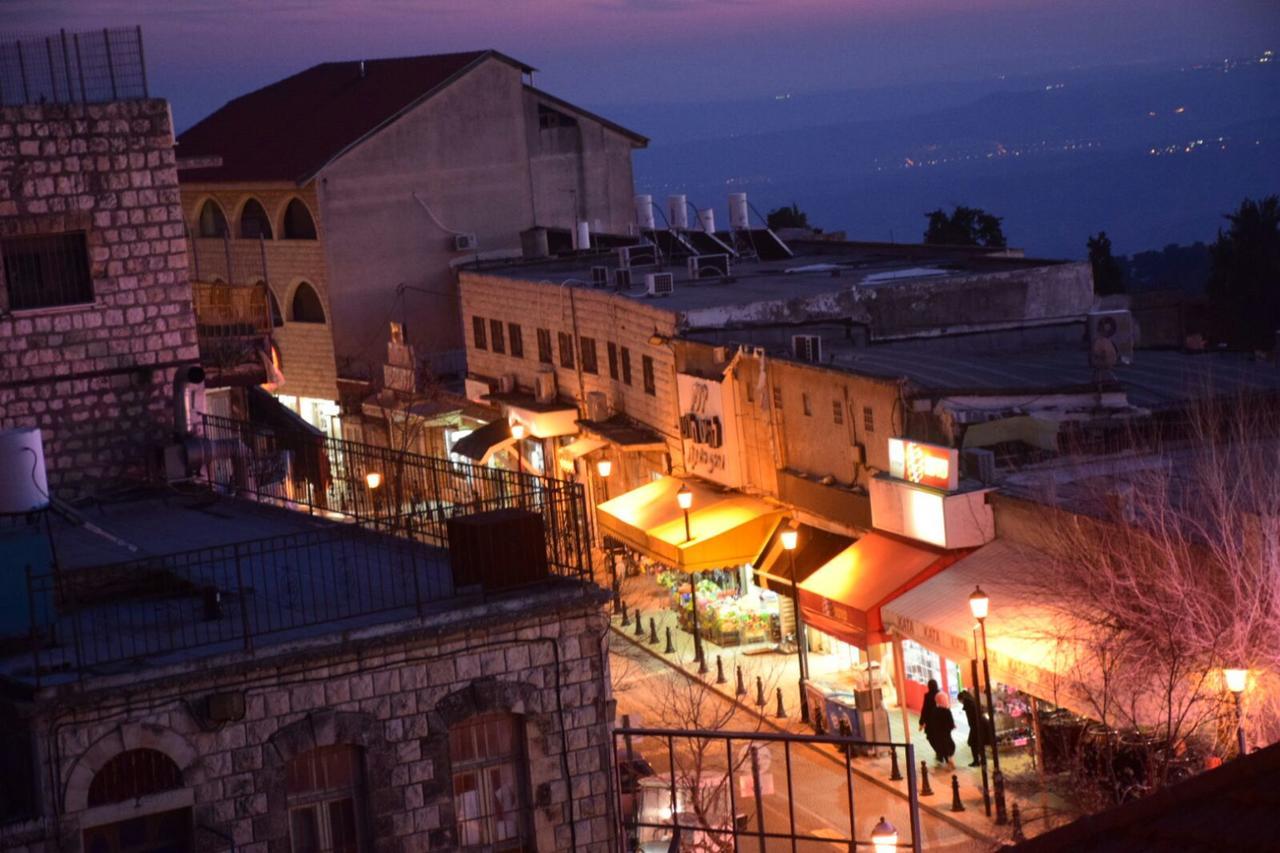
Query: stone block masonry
395, 694
96, 376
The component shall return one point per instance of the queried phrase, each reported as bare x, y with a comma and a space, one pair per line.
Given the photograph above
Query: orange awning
843, 597
728, 528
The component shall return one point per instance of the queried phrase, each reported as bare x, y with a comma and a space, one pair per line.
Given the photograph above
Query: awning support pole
899, 678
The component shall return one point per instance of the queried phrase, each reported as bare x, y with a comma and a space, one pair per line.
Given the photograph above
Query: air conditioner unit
639, 255
622, 279
1112, 337
465, 242
507, 383
709, 266
597, 406
859, 453
659, 283
599, 276
807, 347
544, 386
979, 464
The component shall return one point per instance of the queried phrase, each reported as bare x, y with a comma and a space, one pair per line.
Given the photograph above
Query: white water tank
739, 212
584, 236
24, 485
707, 217
644, 212
678, 212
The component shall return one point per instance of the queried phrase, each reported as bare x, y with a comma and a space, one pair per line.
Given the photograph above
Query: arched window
489, 787
212, 221
324, 788
298, 224
254, 222
277, 318
132, 774
306, 307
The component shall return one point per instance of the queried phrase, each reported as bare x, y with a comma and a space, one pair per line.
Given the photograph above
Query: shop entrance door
162, 832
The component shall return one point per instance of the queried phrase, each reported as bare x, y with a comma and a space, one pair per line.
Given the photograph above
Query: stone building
95, 308
401, 169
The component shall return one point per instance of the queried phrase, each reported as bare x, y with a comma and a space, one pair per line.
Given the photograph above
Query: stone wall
96, 377
539, 657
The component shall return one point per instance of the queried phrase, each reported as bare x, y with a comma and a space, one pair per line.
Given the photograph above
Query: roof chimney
362, 69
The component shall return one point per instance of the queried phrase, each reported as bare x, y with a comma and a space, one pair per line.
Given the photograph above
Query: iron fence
86, 68
397, 492
720, 791
228, 597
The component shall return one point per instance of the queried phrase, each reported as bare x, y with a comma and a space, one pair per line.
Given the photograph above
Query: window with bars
489, 789
650, 383
515, 337
324, 789
479, 333
132, 774
566, 350
544, 346
46, 271
612, 351
626, 366
837, 412
497, 340
868, 419
589, 363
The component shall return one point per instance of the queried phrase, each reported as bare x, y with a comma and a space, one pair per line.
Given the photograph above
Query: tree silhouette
1244, 282
787, 217
966, 226
1108, 276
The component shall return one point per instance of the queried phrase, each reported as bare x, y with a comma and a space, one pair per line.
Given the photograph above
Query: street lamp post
684, 498
517, 432
1237, 680
789, 538
979, 605
982, 733
604, 468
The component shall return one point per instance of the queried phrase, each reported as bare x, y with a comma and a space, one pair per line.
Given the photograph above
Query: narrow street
655, 695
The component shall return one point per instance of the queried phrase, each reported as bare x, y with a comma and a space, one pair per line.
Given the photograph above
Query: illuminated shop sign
707, 430
924, 464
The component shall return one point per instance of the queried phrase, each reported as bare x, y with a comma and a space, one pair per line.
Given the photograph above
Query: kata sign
924, 464
708, 430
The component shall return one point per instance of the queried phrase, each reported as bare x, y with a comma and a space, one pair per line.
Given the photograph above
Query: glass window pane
304, 829
342, 826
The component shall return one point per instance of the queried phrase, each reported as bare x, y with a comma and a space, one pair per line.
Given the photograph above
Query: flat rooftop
813, 272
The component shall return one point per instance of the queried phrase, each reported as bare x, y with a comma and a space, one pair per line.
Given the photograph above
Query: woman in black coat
976, 726
937, 728
926, 709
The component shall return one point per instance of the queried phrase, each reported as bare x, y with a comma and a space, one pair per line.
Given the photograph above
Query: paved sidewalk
777, 670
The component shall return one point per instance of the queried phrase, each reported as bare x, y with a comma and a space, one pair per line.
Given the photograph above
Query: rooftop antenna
362, 69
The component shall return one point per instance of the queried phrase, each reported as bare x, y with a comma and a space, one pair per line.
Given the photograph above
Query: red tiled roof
289, 130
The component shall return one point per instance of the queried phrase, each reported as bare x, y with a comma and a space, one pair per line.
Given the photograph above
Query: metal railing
720, 791
414, 496
66, 68
228, 597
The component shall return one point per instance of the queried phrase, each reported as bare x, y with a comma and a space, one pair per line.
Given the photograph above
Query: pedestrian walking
976, 726
937, 729
926, 709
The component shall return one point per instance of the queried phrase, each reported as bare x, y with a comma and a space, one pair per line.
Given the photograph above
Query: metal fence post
244, 605
111, 68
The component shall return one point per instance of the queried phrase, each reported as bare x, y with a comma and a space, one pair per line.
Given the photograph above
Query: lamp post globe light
684, 499
517, 432
1237, 680
373, 480
979, 605
790, 537
884, 837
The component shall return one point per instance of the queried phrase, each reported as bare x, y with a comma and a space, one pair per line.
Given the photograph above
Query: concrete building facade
95, 306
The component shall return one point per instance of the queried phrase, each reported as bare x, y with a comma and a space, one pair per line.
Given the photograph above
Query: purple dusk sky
599, 52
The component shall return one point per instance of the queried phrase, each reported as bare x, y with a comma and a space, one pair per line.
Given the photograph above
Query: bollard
742, 687
625, 617
639, 624
895, 774
846, 730
1018, 835
956, 805
759, 692
925, 790
997, 783
653, 632
702, 665
670, 649
720, 679
782, 712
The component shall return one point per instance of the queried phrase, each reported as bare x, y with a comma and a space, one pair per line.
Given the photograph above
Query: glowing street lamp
884, 837
790, 537
1237, 680
979, 604
684, 499
373, 480
604, 468
517, 432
